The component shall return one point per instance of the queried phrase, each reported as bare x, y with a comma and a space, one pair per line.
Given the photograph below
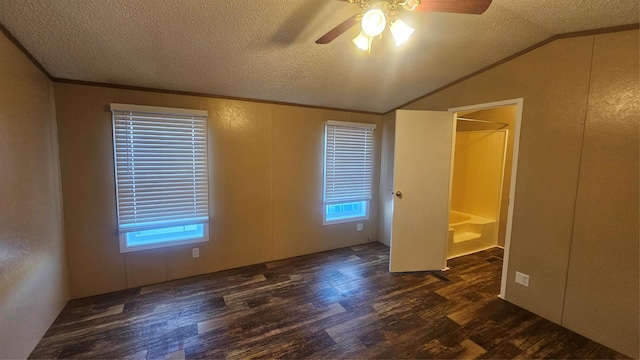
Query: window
161, 176
348, 171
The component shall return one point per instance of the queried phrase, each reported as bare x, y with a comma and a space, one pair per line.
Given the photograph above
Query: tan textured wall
265, 188
605, 247
33, 279
554, 81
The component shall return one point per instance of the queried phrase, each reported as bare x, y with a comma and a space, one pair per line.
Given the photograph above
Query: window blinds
161, 167
348, 162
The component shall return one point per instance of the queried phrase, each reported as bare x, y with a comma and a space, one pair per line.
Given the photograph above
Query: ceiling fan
380, 14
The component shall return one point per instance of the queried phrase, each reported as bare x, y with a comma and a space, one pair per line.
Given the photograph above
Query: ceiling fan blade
455, 6
338, 30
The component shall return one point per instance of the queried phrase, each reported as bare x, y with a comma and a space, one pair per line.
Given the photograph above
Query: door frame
514, 171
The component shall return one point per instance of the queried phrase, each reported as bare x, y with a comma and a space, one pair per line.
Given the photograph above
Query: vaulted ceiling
266, 50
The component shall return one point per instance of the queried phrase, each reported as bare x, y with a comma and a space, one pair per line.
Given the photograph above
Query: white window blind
160, 167
348, 162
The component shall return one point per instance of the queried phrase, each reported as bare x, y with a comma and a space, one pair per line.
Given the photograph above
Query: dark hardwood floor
337, 304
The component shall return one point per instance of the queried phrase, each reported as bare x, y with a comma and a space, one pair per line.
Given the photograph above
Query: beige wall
33, 279
568, 171
604, 248
265, 188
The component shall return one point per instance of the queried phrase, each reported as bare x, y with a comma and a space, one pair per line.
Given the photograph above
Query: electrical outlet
522, 279
195, 252
359, 227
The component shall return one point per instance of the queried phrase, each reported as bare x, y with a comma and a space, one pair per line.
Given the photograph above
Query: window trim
124, 229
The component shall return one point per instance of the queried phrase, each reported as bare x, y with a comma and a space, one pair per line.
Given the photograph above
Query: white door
421, 178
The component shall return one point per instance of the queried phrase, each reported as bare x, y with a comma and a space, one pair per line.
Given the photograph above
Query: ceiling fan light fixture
411, 5
401, 32
374, 22
363, 42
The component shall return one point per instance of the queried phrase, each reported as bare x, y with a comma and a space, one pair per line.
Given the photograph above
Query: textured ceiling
265, 49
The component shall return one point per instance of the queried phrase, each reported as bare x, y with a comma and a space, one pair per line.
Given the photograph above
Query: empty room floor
337, 304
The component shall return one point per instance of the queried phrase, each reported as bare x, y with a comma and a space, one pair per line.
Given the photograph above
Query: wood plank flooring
337, 304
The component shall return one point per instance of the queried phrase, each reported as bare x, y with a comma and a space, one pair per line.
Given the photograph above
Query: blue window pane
164, 235
346, 211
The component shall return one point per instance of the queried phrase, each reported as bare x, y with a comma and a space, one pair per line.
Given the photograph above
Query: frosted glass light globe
363, 42
374, 22
401, 32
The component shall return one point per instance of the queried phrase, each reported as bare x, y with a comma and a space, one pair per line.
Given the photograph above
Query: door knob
399, 194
